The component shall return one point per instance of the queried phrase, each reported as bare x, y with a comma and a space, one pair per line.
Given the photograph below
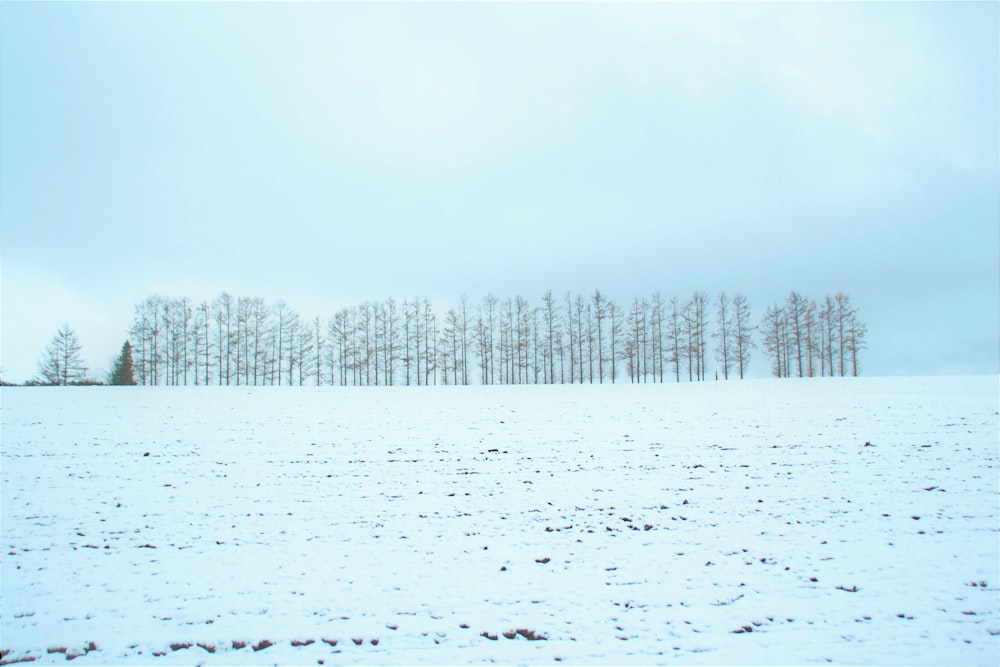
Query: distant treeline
570, 339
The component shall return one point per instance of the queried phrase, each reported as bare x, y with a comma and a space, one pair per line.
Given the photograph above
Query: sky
330, 153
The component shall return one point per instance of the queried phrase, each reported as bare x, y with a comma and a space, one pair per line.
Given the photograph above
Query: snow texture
767, 521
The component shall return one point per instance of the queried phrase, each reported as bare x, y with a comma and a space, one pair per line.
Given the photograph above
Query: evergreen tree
123, 373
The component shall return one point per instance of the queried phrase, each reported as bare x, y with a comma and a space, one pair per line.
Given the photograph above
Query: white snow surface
757, 522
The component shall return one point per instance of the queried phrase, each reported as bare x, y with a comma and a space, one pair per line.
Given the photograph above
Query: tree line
570, 339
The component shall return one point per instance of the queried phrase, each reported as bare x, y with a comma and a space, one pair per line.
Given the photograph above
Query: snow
836, 520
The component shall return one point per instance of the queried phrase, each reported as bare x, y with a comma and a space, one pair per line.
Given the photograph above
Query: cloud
365, 150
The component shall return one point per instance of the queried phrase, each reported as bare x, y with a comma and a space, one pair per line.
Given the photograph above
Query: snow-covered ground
767, 521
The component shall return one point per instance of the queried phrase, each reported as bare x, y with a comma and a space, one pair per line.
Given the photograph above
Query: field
765, 521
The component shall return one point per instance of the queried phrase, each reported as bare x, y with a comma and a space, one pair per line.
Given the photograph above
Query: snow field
713, 523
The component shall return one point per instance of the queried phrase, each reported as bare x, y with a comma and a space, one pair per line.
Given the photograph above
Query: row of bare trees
804, 339
569, 339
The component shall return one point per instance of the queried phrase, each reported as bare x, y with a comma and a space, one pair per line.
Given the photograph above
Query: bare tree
145, 332
615, 331
689, 322
786, 344
242, 341
552, 333
698, 326
796, 308
61, 363
186, 333
856, 331
199, 341
450, 341
657, 315
283, 318
419, 340
257, 334
482, 346
599, 311
364, 347
535, 343
223, 307
850, 334
506, 345
169, 343
430, 344
320, 345
580, 304
571, 335
294, 346
743, 341
829, 336
676, 336
774, 328
724, 334
409, 325
339, 331
489, 317
463, 309
843, 316
637, 339
811, 331
522, 337
305, 348
390, 340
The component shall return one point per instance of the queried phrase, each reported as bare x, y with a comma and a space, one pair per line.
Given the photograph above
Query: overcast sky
332, 153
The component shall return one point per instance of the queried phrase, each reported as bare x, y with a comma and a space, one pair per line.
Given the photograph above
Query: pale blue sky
331, 153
